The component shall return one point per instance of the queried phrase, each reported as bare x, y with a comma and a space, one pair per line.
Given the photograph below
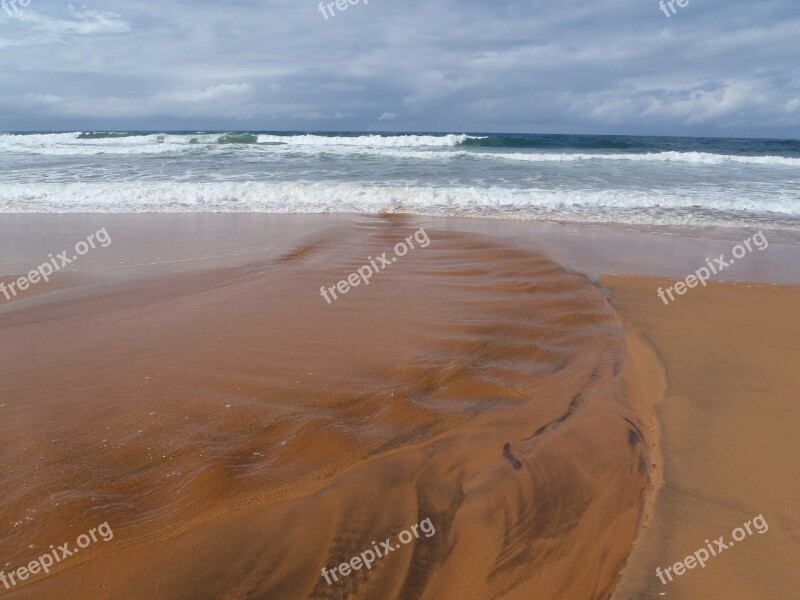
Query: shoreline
593, 249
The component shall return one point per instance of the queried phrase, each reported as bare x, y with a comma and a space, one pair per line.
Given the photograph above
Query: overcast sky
716, 67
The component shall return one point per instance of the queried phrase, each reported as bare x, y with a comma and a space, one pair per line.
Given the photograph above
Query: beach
519, 384
399, 301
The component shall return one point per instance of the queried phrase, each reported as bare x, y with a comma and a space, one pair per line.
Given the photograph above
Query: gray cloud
619, 66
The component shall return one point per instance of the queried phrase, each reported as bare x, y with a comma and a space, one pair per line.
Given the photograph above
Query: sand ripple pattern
239, 434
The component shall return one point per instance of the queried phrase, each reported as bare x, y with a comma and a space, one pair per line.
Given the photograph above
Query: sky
729, 68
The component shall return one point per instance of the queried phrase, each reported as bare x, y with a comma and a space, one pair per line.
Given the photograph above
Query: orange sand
731, 424
190, 386
239, 434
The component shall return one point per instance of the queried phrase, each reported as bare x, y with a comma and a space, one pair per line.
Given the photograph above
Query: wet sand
190, 386
731, 425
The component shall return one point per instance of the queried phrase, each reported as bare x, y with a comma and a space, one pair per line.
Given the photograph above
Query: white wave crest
631, 206
413, 147
73, 144
368, 141
702, 158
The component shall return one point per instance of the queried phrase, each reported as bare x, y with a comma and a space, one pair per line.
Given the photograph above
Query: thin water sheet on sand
239, 433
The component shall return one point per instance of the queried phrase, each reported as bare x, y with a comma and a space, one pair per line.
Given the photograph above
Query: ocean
574, 178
